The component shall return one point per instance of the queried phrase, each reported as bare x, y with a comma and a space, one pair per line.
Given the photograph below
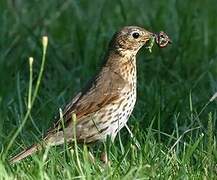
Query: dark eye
135, 35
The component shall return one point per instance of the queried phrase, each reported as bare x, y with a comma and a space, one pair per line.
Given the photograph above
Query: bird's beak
149, 41
148, 36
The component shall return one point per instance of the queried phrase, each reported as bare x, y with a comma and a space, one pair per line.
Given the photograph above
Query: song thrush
105, 105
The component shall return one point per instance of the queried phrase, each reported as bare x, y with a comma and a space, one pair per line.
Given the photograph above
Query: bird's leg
133, 137
104, 157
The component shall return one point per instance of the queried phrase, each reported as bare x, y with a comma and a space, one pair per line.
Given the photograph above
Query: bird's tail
51, 139
25, 153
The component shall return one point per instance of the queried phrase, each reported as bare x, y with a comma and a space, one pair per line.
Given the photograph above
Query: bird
103, 107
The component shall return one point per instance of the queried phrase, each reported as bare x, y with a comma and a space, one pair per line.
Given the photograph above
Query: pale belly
107, 121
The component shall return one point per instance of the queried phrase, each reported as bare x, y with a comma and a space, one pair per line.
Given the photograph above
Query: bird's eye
135, 35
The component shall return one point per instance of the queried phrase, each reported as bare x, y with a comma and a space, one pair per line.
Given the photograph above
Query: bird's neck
123, 63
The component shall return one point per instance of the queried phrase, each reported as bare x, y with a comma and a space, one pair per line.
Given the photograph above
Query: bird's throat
123, 64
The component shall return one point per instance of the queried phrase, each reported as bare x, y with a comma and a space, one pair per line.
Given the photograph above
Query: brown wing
104, 89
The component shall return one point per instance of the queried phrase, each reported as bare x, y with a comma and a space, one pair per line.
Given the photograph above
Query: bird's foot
104, 158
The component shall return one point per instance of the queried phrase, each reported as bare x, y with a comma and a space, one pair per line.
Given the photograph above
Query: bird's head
130, 39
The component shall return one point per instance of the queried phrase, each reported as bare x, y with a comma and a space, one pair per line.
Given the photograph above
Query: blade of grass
76, 145
44, 43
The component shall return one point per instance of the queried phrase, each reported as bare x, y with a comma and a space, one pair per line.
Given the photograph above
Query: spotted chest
109, 120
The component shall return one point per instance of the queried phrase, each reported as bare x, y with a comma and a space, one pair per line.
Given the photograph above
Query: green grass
173, 121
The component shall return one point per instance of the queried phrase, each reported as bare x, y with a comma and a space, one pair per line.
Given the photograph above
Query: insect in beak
162, 39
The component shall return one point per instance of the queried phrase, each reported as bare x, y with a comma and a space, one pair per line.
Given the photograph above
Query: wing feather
104, 89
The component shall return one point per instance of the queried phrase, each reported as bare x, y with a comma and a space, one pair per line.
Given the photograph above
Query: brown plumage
106, 104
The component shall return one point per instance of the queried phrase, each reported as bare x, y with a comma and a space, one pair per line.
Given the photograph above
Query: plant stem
30, 101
